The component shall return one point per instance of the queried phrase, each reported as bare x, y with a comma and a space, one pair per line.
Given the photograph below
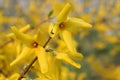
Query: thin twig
7, 42
27, 69
11, 40
32, 62
1, 71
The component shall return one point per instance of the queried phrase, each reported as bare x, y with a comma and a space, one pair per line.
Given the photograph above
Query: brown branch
11, 40
1, 71
32, 62
7, 42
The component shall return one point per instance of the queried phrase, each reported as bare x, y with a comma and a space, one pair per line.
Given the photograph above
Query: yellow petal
22, 37
18, 46
40, 38
63, 14
54, 67
42, 76
14, 76
11, 35
42, 59
72, 23
66, 58
76, 55
25, 53
53, 30
68, 40
23, 29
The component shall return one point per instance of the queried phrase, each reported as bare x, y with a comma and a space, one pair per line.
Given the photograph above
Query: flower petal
23, 29
68, 40
25, 53
40, 38
54, 66
42, 59
18, 46
76, 55
26, 39
63, 14
66, 58
53, 30
76, 23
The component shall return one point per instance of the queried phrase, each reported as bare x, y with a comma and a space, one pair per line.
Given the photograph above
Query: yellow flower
42, 58
25, 53
25, 39
31, 46
18, 45
54, 67
65, 57
64, 25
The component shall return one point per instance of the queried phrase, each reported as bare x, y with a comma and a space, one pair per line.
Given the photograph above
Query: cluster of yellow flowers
40, 40
49, 59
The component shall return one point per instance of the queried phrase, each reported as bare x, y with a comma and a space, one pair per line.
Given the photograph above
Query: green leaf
50, 13
32, 24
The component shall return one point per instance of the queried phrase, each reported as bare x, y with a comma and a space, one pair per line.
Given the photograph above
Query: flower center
62, 25
34, 44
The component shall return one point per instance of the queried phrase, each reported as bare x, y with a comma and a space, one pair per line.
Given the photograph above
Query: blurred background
99, 45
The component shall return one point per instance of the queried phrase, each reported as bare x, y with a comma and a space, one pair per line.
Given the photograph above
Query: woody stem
32, 62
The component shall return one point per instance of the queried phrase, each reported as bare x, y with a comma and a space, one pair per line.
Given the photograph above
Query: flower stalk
32, 62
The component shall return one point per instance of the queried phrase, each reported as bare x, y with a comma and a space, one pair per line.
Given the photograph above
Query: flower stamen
34, 44
62, 25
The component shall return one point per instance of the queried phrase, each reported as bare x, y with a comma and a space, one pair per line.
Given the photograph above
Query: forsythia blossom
64, 25
50, 62
30, 46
